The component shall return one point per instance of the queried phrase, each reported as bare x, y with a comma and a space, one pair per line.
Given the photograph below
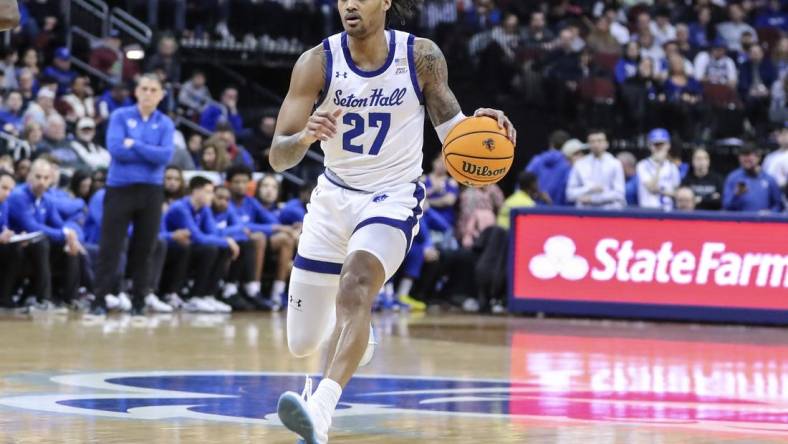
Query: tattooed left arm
442, 105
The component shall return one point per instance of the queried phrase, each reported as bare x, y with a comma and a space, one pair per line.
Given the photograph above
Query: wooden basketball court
434, 378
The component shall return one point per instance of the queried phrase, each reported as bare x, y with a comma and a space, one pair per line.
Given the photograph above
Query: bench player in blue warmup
362, 94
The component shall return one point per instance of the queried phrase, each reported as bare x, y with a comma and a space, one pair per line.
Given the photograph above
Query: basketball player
368, 88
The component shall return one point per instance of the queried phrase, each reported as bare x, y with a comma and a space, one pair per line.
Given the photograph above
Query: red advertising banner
592, 257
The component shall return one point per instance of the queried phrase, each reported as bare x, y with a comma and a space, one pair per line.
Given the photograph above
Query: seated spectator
671, 49
748, 188
756, 76
781, 136
166, 59
683, 42
281, 239
91, 154
442, 191
71, 209
627, 65
597, 180
682, 95
31, 209
10, 254
600, 39
731, 30
194, 147
521, 198
236, 153
552, 166
772, 16
715, 66
35, 146
8, 69
482, 16
108, 57
629, 164
778, 108
225, 111
207, 255
706, 185
700, 31
213, 156
99, 179
639, 94
242, 270
78, 102
294, 210
661, 27
658, 178
685, 199
11, 115
194, 94
27, 85
56, 143
81, 185
21, 169
61, 70
42, 108
780, 56
478, 210
261, 140
537, 33
115, 97
30, 61
618, 30
174, 185
649, 48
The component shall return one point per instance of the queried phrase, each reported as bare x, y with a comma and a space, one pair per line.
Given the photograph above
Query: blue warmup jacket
200, 223
254, 216
552, 170
26, 213
145, 161
229, 224
763, 193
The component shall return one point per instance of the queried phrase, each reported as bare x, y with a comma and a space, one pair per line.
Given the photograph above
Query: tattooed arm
440, 101
297, 126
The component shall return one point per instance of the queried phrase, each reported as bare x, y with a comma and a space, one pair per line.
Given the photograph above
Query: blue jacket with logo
200, 223
28, 214
145, 161
254, 216
229, 224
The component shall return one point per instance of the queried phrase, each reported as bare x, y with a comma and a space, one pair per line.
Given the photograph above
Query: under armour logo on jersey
341, 74
295, 303
380, 198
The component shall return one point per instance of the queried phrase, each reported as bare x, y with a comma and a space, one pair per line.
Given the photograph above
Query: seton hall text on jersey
376, 98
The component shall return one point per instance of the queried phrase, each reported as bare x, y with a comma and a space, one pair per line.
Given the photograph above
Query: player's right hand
322, 125
5, 236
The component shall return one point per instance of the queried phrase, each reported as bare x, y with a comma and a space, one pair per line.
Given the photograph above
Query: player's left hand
503, 121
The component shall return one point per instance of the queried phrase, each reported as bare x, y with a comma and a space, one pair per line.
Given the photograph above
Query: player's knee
353, 290
302, 345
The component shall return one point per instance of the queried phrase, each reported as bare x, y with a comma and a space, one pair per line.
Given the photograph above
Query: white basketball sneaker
112, 302
303, 417
198, 305
174, 301
218, 306
124, 303
154, 304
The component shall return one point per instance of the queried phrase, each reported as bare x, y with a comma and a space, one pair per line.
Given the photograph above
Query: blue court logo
252, 397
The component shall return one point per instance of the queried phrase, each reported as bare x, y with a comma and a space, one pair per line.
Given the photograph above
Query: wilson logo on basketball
481, 171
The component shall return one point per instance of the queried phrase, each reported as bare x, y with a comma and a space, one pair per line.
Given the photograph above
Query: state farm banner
680, 266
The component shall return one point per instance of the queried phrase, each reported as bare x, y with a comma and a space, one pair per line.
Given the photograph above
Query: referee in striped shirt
140, 141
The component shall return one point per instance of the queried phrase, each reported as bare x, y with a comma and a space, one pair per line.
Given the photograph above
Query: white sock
230, 290
252, 288
405, 284
277, 289
325, 399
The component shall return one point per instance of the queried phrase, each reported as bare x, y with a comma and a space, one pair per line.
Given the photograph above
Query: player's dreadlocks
404, 9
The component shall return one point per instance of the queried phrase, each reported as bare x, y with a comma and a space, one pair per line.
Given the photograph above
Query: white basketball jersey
381, 130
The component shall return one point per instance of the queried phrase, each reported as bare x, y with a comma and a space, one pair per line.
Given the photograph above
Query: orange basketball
477, 152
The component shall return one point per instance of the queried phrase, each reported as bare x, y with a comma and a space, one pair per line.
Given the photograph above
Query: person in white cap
658, 177
42, 108
90, 153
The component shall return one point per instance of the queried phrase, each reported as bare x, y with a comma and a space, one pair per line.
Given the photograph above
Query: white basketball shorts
335, 223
